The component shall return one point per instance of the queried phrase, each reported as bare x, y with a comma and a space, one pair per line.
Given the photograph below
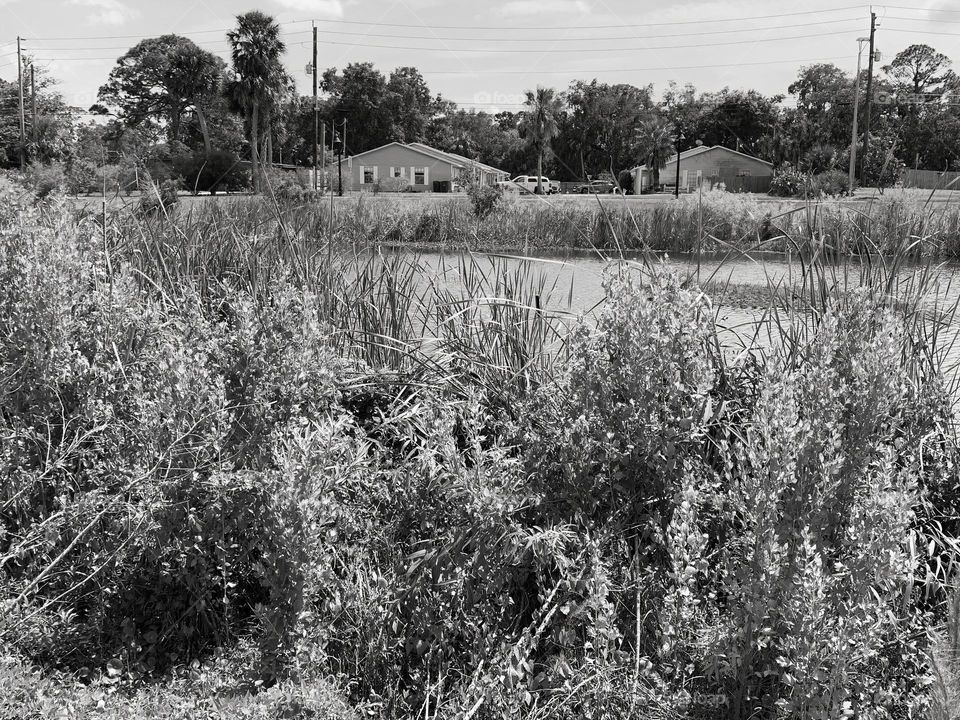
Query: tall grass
715, 222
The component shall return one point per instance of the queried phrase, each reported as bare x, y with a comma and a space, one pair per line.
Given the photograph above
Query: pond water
574, 283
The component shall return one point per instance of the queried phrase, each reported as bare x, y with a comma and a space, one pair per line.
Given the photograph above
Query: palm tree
539, 124
656, 146
256, 48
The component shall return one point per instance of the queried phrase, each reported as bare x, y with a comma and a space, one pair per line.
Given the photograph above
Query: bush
484, 199
819, 159
45, 180
625, 179
83, 176
882, 168
219, 171
788, 182
832, 183
400, 184
155, 197
211, 691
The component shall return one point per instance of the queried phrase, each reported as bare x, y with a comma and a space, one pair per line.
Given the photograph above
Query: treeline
168, 99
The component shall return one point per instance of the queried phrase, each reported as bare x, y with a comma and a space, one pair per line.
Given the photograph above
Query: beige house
708, 166
414, 166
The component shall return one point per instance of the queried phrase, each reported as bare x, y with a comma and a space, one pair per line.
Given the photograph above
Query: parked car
528, 183
554, 187
600, 187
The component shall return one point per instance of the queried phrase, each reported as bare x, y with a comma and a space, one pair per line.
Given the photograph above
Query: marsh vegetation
247, 470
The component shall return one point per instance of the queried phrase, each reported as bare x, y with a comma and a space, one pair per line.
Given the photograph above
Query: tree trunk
255, 146
268, 140
204, 130
175, 127
540, 173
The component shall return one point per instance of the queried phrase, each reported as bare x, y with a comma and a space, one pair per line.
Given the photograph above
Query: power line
525, 40
567, 50
938, 21
596, 27
526, 50
920, 32
582, 39
641, 69
916, 9
114, 47
501, 28
142, 36
108, 57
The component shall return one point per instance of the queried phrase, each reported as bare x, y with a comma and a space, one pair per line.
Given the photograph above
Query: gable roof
699, 150
459, 158
425, 150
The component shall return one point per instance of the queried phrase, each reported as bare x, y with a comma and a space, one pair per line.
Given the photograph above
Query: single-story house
415, 165
708, 166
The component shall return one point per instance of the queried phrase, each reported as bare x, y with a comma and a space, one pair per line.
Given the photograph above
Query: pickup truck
528, 183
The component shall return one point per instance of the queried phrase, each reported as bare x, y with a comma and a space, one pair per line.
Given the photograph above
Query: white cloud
329, 8
522, 8
106, 12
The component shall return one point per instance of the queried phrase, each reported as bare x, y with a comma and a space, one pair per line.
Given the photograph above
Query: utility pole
23, 129
676, 187
866, 134
33, 102
856, 108
323, 152
316, 114
343, 141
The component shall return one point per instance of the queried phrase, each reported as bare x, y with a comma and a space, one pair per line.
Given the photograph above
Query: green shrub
83, 177
883, 168
210, 691
45, 180
392, 185
788, 182
156, 197
819, 159
484, 198
217, 172
831, 183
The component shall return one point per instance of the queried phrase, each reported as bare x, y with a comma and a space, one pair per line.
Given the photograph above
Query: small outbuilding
709, 167
415, 167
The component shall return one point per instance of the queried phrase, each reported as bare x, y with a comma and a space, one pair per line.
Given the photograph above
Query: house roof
459, 158
417, 147
702, 149
424, 150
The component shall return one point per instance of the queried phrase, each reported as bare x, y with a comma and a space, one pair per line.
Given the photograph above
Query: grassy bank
714, 222
247, 471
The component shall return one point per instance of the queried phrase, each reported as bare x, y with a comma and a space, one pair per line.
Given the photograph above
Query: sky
485, 53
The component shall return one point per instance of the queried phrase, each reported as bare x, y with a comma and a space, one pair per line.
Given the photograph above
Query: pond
574, 283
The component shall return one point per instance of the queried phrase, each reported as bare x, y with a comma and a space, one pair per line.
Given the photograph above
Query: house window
419, 176
743, 173
398, 172
369, 177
